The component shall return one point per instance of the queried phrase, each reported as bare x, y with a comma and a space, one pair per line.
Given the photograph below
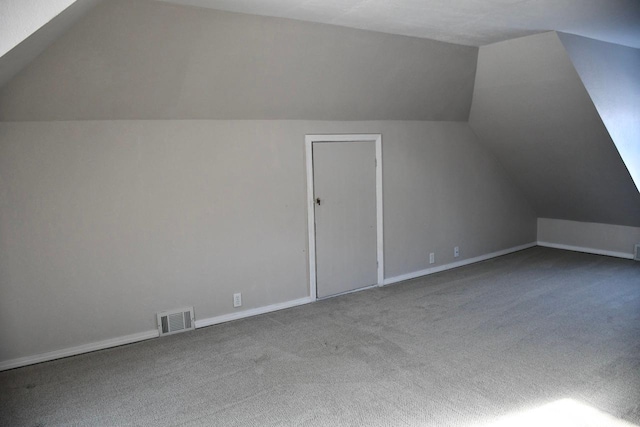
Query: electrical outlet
456, 252
432, 258
237, 300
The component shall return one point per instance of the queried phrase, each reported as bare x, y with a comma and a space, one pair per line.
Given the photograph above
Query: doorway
344, 187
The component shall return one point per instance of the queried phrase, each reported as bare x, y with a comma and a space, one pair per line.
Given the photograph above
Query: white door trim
309, 141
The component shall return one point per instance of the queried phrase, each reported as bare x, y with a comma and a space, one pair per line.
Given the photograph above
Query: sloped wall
143, 59
610, 73
533, 111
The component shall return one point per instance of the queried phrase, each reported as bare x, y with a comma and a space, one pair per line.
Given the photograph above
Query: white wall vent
636, 255
174, 321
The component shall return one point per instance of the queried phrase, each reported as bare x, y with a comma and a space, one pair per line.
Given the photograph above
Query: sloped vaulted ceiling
152, 60
466, 22
611, 75
532, 109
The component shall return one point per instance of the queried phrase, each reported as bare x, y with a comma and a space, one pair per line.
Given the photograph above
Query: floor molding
353, 291
432, 270
142, 336
586, 250
128, 339
74, 351
201, 323
252, 312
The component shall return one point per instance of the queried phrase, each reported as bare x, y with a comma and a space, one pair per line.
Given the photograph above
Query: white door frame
309, 140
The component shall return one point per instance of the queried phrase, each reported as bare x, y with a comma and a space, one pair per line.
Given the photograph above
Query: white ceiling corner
27, 27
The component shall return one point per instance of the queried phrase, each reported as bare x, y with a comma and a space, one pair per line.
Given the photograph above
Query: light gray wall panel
104, 223
441, 187
531, 109
141, 59
600, 237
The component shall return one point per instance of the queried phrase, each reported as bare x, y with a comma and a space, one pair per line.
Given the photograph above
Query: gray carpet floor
470, 346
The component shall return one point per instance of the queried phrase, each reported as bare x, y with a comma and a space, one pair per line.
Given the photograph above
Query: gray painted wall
610, 73
531, 108
104, 223
598, 237
142, 59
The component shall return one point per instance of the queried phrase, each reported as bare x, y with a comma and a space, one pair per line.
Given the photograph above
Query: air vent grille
174, 321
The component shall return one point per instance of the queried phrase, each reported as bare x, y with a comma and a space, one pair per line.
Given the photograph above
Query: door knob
318, 201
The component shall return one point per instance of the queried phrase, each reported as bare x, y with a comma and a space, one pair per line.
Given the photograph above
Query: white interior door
344, 177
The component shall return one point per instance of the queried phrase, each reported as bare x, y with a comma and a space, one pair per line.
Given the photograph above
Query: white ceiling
469, 22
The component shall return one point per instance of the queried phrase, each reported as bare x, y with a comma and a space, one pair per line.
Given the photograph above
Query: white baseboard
586, 250
252, 312
348, 292
408, 276
73, 351
128, 339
